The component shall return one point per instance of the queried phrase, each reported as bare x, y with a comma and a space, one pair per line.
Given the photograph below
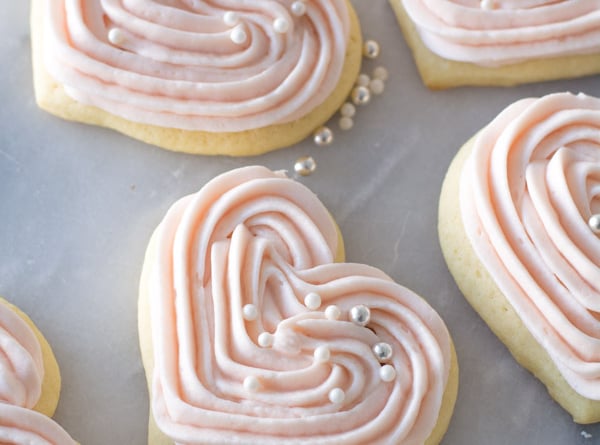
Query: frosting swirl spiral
509, 31
242, 352
527, 192
21, 363
218, 66
20, 426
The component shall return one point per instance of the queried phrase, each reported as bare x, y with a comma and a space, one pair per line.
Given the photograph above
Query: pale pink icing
255, 236
21, 364
527, 192
21, 426
179, 68
514, 31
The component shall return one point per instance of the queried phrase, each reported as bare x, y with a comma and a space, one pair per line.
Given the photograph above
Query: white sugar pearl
231, 18
304, 166
265, 340
251, 384
387, 373
594, 223
381, 73
363, 80
361, 95
322, 354
360, 315
312, 301
281, 25
298, 8
487, 4
323, 136
250, 312
383, 351
348, 110
238, 35
377, 86
337, 396
371, 49
332, 312
346, 123
116, 36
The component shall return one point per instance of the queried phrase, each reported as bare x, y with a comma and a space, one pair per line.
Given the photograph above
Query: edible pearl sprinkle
250, 312
348, 110
371, 49
298, 8
361, 95
360, 315
322, 354
332, 312
265, 340
346, 123
116, 36
323, 136
381, 73
281, 25
363, 80
387, 373
487, 4
238, 35
312, 301
337, 395
594, 223
305, 165
251, 384
231, 18
377, 86
383, 351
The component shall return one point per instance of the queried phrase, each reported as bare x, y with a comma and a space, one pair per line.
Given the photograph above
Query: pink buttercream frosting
21, 363
21, 376
508, 31
19, 426
527, 192
255, 237
175, 64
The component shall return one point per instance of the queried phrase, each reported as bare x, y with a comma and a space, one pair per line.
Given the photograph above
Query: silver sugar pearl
360, 315
371, 49
383, 351
323, 136
361, 95
305, 165
594, 223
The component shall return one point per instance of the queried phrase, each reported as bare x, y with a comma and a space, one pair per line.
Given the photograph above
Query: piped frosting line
527, 192
252, 237
176, 66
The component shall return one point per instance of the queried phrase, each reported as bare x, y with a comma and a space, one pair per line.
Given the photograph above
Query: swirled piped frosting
527, 192
500, 32
254, 237
21, 378
21, 363
20, 426
175, 63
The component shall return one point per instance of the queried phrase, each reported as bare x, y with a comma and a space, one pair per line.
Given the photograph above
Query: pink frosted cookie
252, 333
29, 383
501, 42
209, 77
519, 226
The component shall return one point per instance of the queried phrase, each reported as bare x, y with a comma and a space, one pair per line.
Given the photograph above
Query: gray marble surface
78, 204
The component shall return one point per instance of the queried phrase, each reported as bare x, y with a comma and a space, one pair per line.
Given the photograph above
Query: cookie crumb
586, 435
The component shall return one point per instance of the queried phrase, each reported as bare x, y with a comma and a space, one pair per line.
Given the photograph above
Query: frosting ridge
527, 191
174, 63
254, 237
24, 426
508, 32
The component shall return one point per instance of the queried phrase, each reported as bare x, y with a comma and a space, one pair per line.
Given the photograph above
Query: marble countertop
78, 204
